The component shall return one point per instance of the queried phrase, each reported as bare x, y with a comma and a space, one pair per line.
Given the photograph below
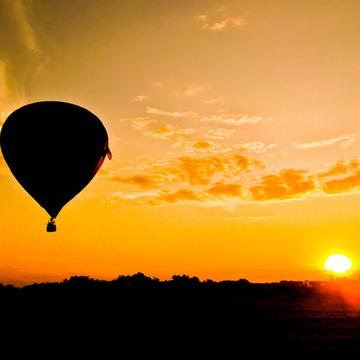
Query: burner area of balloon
51, 226
53, 149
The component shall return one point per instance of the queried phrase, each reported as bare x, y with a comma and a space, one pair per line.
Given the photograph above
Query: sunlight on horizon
338, 263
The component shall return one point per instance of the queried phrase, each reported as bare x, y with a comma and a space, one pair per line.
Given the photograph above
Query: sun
338, 263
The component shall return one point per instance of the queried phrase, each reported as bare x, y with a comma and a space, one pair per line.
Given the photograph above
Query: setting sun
338, 263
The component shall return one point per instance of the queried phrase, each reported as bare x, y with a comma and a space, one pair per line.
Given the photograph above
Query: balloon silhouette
53, 149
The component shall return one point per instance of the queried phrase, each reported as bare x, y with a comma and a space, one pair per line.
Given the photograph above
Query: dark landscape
146, 316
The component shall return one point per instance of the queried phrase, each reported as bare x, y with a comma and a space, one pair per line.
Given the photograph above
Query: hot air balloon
53, 149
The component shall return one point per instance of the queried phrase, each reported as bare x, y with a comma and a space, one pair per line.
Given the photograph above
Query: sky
234, 128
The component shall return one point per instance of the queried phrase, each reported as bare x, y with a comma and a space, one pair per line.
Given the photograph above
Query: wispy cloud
165, 131
21, 43
257, 147
287, 184
220, 194
230, 22
157, 129
139, 98
4, 91
181, 195
174, 114
218, 133
344, 141
343, 177
234, 120
340, 168
342, 185
143, 181
11, 95
202, 145
219, 23
138, 123
198, 171
135, 195
28, 36
222, 189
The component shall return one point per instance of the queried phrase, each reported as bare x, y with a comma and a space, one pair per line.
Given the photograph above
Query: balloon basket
51, 226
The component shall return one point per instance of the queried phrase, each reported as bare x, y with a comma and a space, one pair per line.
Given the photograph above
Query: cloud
257, 147
220, 24
21, 14
230, 22
202, 145
342, 185
142, 181
135, 195
139, 98
343, 177
185, 132
5, 91
234, 120
180, 195
289, 183
218, 133
20, 54
198, 171
174, 114
204, 178
220, 181
222, 189
11, 93
344, 141
165, 131
206, 133
201, 170
217, 195
139, 123
340, 168
244, 163
3, 82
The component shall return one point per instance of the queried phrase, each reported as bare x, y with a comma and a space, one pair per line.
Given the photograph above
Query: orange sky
233, 126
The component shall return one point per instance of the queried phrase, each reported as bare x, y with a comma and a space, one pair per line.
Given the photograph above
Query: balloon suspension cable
51, 226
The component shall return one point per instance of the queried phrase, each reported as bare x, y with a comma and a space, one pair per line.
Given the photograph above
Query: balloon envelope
53, 149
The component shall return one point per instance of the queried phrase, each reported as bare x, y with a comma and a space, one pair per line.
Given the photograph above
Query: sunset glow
234, 130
